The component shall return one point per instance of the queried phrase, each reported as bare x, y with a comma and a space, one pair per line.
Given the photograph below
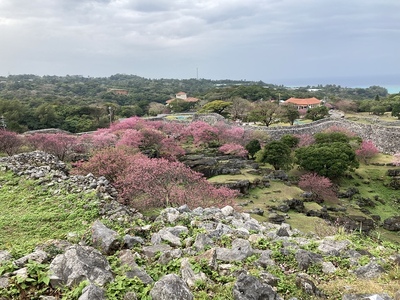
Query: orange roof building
303, 103
182, 96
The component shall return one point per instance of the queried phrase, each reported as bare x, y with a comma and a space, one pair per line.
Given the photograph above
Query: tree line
78, 104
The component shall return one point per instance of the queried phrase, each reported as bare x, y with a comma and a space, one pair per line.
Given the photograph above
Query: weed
122, 284
32, 286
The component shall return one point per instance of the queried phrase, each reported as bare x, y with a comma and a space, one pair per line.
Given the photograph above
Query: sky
290, 42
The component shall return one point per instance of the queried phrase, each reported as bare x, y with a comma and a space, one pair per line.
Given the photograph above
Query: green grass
371, 180
229, 178
32, 214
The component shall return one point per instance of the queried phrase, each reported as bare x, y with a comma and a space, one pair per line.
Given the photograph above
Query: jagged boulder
305, 282
38, 256
392, 223
248, 287
91, 292
171, 287
305, 259
240, 250
132, 269
189, 276
79, 263
106, 239
371, 270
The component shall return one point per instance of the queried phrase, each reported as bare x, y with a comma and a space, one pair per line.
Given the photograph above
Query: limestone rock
105, 239
248, 287
392, 224
38, 256
79, 263
371, 270
188, 275
171, 287
241, 249
91, 292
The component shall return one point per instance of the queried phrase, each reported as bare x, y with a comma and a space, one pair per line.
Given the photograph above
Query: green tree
48, 116
378, 110
216, 106
180, 105
331, 137
253, 147
396, 110
331, 160
291, 113
266, 112
317, 113
290, 140
275, 153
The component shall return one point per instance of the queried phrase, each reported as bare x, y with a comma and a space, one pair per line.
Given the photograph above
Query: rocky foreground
196, 253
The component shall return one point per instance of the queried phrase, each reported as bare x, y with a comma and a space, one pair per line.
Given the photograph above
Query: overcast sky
276, 41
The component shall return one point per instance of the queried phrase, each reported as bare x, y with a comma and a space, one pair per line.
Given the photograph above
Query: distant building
305, 103
183, 96
119, 91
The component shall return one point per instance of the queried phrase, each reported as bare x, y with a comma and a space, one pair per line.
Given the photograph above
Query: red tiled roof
306, 101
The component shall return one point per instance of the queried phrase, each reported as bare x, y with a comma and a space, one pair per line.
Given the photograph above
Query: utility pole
110, 114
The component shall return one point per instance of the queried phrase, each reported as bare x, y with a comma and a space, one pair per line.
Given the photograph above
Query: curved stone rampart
386, 139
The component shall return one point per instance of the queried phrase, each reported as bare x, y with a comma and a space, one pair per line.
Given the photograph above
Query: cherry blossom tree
170, 149
366, 151
107, 162
340, 129
100, 139
320, 186
232, 134
305, 140
396, 159
10, 142
148, 182
233, 149
202, 133
58, 144
129, 123
130, 138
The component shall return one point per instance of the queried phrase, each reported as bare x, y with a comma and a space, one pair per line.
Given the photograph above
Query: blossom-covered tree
202, 133
366, 151
305, 140
396, 159
58, 144
232, 135
100, 139
320, 186
153, 182
107, 162
233, 149
10, 142
130, 138
340, 129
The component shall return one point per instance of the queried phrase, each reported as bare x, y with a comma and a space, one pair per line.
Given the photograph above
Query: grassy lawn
367, 118
32, 214
370, 180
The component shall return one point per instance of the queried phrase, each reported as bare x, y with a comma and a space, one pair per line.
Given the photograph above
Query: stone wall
386, 139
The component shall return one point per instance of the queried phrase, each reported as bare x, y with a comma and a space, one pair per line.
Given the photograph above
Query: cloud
258, 39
